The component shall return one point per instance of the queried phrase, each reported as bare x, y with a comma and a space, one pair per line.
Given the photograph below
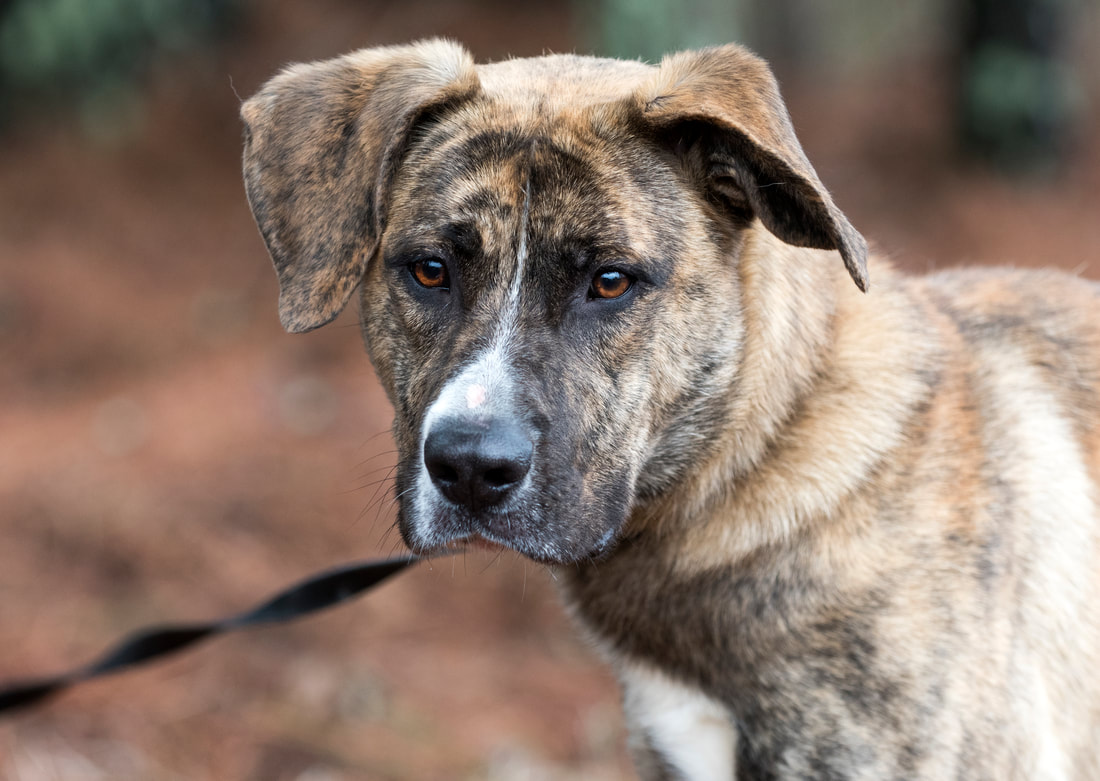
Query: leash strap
313, 594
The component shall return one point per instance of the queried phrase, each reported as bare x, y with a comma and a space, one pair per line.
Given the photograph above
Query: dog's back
1028, 400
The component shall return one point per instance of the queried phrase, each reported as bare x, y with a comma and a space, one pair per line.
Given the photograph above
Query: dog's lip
476, 541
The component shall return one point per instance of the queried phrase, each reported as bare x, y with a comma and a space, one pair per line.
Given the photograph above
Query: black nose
477, 463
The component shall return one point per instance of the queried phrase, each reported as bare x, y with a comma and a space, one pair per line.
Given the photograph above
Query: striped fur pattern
821, 528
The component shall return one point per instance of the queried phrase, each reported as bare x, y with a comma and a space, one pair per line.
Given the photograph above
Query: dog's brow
589, 254
463, 236
484, 199
470, 154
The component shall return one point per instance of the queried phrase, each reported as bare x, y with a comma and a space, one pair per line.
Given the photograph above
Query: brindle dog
820, 529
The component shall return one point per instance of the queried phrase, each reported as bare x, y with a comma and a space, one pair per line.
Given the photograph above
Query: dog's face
548, 252
529, 310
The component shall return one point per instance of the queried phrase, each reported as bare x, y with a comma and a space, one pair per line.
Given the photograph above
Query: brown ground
167, 453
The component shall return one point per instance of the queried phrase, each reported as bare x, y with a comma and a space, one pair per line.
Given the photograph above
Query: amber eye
431, 273
610, 284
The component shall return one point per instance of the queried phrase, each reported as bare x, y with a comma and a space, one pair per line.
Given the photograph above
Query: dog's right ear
322, 144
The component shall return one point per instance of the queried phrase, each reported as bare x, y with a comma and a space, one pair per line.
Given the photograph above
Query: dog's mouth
482, 540
485, 541
476, 542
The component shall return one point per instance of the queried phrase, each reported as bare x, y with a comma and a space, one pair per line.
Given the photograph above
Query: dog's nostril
501, 477
441, 471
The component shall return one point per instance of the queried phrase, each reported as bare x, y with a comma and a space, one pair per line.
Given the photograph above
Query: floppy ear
728, 99
322, 144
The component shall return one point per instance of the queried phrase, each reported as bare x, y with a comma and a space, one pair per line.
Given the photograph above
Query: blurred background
168, 453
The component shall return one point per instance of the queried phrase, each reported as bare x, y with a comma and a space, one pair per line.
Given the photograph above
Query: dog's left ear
728, 98
322, 143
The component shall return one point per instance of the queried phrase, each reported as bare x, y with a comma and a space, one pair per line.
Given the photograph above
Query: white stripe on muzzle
484, 387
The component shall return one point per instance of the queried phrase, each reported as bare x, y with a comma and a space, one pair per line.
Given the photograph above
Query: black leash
323, 590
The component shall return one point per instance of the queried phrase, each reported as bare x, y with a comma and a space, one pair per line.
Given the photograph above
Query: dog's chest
714, 686
676, 731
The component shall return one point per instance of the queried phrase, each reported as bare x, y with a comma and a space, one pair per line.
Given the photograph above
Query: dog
819, 528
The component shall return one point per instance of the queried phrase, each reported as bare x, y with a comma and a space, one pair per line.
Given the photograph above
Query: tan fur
845, 534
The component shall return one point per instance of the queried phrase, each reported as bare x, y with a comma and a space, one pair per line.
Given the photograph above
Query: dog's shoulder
999, 302
1039, 330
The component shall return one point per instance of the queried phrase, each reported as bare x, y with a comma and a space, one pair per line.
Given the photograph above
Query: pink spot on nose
475, 396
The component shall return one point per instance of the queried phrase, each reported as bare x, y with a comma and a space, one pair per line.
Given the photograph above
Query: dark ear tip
295, 325
862, 282
853, 249
299, 317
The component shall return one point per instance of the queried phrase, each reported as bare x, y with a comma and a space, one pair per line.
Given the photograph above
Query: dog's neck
779, 519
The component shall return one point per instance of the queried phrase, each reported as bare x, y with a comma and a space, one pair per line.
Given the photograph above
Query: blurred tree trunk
1016, 90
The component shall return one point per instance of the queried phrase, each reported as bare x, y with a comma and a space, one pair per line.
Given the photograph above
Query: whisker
379, 454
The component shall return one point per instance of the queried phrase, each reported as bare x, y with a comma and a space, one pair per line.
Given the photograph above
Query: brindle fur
862, 525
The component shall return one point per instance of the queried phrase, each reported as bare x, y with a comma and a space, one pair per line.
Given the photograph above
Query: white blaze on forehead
509, 320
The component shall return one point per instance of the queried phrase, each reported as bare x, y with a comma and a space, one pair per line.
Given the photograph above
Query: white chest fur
689, 731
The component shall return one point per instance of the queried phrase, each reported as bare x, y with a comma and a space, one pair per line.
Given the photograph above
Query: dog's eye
430, 273
611, 283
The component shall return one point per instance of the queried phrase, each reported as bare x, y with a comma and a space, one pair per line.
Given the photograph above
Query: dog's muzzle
477, 463
482, 482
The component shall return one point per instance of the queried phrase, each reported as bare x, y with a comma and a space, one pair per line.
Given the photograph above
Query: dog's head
548, 252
